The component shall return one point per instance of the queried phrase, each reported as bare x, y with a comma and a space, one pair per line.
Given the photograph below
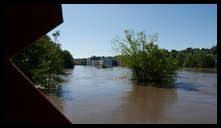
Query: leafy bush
44, 62
146, 60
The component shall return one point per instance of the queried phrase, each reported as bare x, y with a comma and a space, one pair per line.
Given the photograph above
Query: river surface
91, 95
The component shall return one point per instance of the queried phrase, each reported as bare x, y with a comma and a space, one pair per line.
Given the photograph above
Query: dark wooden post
22, 102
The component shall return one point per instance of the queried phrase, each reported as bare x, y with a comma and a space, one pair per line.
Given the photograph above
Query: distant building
98, 61
95, 63
81, 61
88, 62
106, 61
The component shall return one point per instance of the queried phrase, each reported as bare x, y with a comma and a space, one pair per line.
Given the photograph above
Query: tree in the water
144, 58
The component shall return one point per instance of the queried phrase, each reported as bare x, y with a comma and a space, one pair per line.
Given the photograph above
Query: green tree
146, 60
214, 53
42, 62
68, 59
56, 35
208, 61
214, 50
195, 57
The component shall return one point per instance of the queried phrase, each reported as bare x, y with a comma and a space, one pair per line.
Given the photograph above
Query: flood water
91, 95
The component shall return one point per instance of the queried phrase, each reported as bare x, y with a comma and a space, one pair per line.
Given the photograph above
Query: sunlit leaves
146, 60
43, 62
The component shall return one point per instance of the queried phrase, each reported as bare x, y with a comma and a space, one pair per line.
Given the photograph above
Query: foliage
114, 61
43, 62
146, 60
192, 57
104, 66
68, 59
195, 57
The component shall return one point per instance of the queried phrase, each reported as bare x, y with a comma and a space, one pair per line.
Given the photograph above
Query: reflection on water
91, 95
147, 104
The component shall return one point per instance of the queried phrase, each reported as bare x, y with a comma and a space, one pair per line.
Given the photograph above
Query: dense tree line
44, 62
195, 57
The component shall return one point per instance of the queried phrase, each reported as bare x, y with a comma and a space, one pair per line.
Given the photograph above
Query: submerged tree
144, 58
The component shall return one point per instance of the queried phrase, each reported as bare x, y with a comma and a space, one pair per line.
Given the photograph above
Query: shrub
145, 59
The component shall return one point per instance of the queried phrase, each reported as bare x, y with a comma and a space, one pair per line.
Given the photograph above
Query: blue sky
88, 29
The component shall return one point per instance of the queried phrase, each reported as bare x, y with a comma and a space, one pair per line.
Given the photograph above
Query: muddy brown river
91, 95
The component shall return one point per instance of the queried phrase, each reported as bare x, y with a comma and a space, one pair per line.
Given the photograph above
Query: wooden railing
22, 102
